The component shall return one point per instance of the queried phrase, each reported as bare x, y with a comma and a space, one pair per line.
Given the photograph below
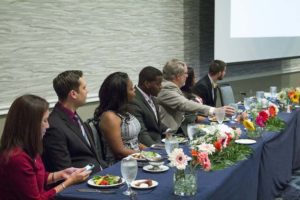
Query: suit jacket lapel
210, 89
140, 96
74, 127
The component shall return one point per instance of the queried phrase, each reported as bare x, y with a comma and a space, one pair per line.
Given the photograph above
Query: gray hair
173, 68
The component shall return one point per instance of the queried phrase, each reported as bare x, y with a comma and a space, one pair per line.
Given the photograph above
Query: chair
92, 126
226, 94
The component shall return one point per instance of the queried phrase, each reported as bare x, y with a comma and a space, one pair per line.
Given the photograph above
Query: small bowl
156, 164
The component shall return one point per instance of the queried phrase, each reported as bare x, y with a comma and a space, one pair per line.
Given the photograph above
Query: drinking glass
129, 171
260, 95
236, 107
171, 144
191, 130
247, 103
273, 92
220, 115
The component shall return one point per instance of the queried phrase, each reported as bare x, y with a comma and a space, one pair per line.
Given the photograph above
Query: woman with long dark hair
118, 127
22, 172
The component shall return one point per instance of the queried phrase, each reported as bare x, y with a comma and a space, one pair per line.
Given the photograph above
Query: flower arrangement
216, 149
289, 96
264, 118
185, 179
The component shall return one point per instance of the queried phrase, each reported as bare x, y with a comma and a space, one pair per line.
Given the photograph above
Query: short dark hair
189, 81
23, 125
148, 73
65, 82
113, 95
216, 66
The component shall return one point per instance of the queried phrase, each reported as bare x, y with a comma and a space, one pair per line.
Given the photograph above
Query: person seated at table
187, 92
145, 108
118, 127
206, 87
173, 103
22, 172
67, 141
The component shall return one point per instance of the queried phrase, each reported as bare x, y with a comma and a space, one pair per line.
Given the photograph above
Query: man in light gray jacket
173, 104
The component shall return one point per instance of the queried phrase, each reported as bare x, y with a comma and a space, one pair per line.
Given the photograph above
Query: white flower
178, 158
282, 96
208, 148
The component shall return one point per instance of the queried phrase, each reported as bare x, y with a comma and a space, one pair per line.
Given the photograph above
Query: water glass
247, 103
171, 144
191, 130
260, 95
220, 114
235, 107
129, 170
273, 91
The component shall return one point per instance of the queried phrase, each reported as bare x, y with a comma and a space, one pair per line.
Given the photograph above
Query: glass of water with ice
171, 144
129, 170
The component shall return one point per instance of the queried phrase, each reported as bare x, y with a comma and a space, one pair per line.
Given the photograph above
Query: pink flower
178, 159
260, 121
204, 160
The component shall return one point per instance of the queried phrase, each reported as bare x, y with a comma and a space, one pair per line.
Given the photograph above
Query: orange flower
291, 94
272, 111
194, 152
218, 145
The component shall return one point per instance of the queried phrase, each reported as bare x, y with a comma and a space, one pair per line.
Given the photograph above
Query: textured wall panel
39, 39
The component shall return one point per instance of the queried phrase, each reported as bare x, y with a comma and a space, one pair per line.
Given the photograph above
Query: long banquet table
262, 176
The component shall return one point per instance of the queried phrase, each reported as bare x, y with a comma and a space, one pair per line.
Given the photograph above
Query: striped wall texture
41, 38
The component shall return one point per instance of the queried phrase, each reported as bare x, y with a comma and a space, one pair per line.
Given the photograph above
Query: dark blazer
151, 129
65, 146
203, 88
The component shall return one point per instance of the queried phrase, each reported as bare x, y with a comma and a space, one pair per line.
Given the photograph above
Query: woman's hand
67, 172
79, 175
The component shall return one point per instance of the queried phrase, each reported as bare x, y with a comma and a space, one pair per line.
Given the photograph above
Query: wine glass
171, 144
235, 107
220, 115
129, 171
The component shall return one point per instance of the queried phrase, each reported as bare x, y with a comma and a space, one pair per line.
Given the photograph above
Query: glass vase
257, 133
185, 182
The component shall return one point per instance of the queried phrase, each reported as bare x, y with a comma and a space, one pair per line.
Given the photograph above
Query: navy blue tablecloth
262, 176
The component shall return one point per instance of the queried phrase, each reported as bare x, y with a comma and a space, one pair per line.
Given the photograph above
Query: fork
109, 191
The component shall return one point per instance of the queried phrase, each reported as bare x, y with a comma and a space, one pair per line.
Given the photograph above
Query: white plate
245, 141
133, 184
162, 168
181, 141
91, 183
145, 158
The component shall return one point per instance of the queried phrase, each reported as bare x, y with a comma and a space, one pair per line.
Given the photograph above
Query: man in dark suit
67, 142
206, 87
145, 108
